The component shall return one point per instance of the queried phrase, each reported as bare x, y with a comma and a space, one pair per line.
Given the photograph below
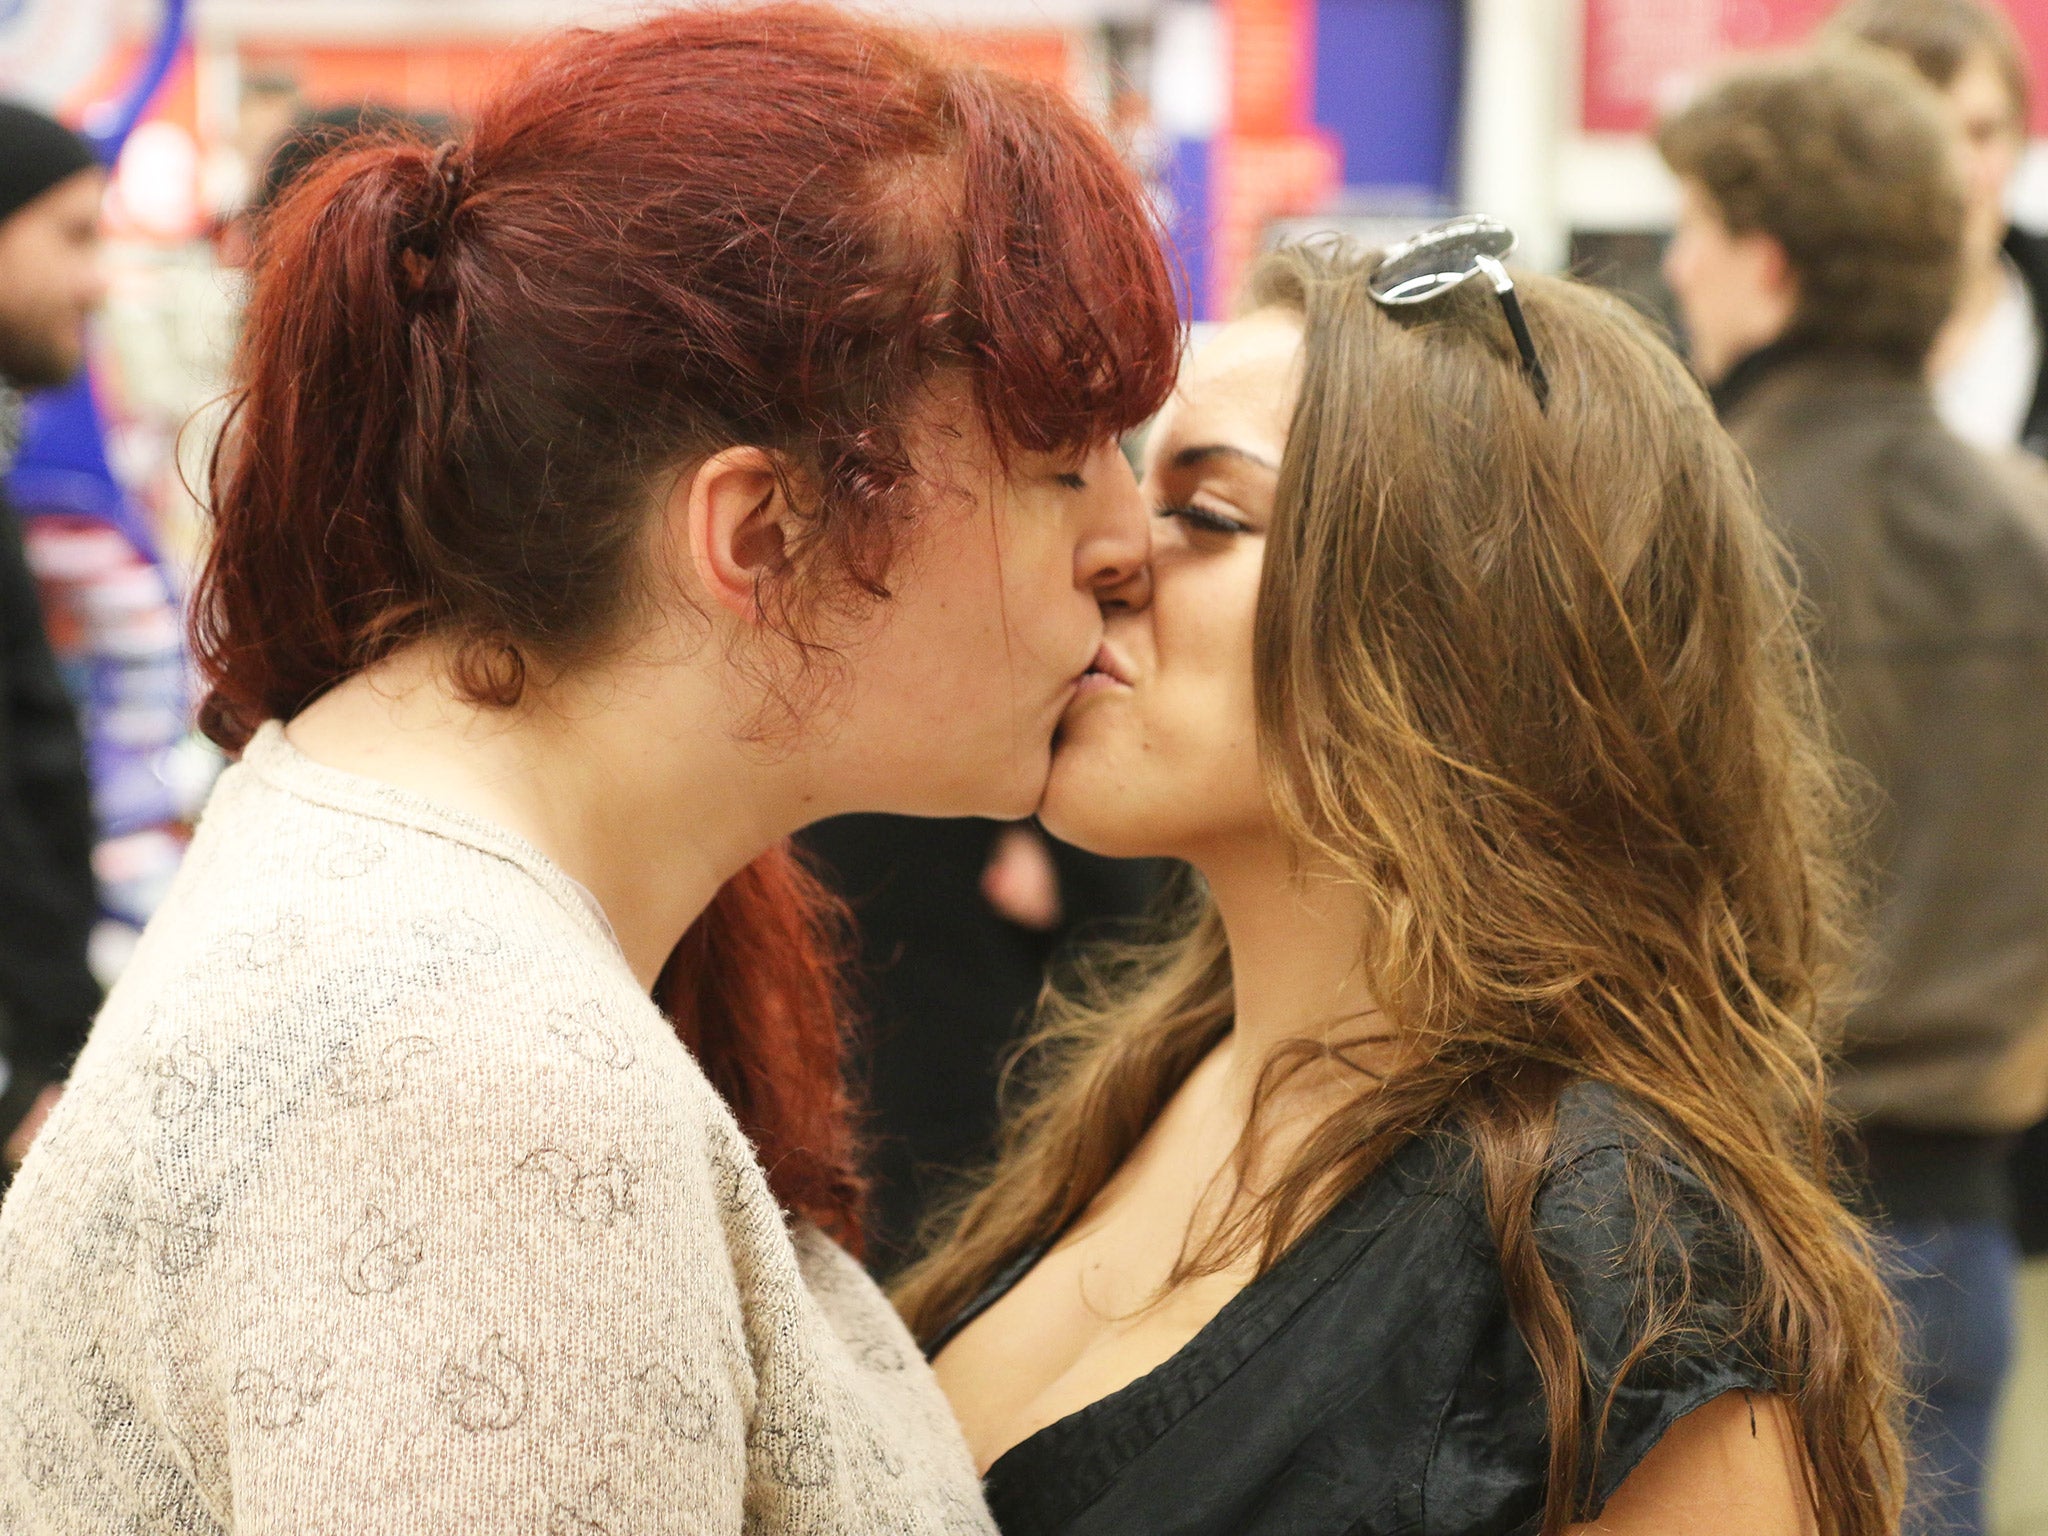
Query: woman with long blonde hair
1462, 1166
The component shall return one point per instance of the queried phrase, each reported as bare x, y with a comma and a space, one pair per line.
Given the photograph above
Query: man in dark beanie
50, 189
50, 282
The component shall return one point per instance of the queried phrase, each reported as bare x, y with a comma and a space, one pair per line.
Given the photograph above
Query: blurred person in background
1821, 231
1989, 364
51, 184
959, 925
1991, 360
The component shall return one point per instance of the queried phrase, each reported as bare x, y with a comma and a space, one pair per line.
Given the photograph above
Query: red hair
464, 371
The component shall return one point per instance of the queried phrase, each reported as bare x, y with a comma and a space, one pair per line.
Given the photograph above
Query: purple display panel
1388, 78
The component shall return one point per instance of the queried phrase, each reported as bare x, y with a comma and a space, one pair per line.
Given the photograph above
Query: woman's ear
737, 526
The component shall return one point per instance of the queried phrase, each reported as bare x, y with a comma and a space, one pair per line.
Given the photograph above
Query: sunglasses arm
1511, 306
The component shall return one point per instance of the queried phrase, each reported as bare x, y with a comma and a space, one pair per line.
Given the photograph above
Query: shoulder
1606, 1143
1967, 528
364, 1006
1630, 1232
1655, 1283
1613, 1176
2021, 480
1626, 1212
306, 916
1623, 1186
1818, 451
1902, 529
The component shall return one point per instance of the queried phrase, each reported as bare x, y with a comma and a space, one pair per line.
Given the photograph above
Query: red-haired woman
720, 436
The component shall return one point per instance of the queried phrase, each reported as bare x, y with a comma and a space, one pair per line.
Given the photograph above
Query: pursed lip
1107, 664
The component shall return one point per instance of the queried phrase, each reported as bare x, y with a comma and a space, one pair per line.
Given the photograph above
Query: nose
1113, 553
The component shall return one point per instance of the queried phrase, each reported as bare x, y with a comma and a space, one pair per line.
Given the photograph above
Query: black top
1372, 1381
47, 901
2029, 253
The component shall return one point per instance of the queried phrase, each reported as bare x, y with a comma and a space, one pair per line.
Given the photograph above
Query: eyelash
1071, 482
1204, 519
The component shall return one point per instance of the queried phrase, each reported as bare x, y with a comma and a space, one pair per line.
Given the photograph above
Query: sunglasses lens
1412, 288
1437, 259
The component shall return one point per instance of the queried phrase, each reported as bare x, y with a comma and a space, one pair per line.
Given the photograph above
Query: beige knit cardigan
384, 1200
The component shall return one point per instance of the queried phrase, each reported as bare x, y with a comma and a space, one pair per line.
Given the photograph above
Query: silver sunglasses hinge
1495, 273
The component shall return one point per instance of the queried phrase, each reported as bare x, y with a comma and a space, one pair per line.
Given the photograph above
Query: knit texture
384, 1200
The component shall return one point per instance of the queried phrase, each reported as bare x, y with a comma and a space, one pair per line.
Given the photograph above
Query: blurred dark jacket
47, 901
2029, 252
948, 987
1927, 565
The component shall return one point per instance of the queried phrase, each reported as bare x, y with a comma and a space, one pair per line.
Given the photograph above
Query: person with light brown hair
1461, 1166
1819, 240
1989, 364
1828, 180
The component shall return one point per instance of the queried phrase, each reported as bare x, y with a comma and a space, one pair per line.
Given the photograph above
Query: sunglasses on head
1438, 260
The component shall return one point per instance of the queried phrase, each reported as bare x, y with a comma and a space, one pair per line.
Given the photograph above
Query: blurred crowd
1874, 334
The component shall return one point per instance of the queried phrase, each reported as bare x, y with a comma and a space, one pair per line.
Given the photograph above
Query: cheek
1690, 273
1983, 174
996, 586
939, 637
1044, 618
1204, 680
953, 686
935, 720
1677, 263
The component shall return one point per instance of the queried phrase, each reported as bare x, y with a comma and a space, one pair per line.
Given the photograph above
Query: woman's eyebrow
1188, 458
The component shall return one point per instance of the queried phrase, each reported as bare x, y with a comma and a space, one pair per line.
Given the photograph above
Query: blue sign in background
1389, 81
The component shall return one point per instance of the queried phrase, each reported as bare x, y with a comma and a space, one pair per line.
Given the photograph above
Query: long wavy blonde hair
1536, 682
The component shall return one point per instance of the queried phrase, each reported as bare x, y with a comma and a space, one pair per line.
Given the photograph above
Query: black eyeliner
1204, 519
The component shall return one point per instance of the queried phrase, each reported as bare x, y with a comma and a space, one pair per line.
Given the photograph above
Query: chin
1021, 794
1095, 811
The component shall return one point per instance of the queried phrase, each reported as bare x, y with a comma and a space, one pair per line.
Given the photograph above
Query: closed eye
1203, 519
1070, 482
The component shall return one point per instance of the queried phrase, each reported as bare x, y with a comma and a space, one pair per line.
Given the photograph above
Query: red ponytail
464, 368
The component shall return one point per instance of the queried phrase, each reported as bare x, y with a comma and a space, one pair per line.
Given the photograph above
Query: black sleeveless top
1372, 1382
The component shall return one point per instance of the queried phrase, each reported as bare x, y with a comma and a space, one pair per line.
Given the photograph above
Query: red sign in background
1270, 160
1641, 54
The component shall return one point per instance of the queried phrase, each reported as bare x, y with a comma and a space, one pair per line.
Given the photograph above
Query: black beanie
36, 152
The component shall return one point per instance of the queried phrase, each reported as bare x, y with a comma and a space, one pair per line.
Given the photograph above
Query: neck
1295, 961
636, 791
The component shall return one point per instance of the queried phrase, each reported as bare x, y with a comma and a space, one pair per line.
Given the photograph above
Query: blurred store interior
1254, 119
